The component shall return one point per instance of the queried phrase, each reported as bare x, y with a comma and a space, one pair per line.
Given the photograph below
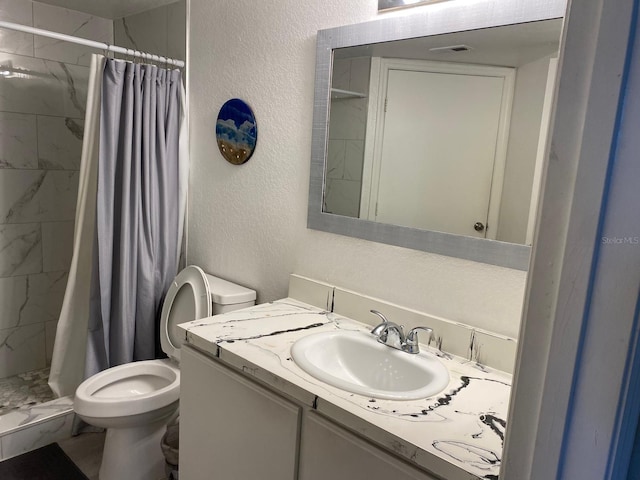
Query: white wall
248, 223
573, 390
524, 134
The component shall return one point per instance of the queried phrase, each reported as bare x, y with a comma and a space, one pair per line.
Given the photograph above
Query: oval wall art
236, 131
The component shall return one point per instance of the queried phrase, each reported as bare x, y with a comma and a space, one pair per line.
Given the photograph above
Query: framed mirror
430, 129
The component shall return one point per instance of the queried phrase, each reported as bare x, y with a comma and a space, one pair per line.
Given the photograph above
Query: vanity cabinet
329, 451
230, 427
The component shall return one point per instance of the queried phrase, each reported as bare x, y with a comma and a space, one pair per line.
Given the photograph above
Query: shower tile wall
43, 88
345, 155
161, 31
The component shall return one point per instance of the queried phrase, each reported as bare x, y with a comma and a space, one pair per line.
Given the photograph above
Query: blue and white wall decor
236, 131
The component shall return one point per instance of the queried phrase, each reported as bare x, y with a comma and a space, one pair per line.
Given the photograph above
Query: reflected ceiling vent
452, 48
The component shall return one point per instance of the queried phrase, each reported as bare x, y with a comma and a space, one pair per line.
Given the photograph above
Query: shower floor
30, 415
24, 390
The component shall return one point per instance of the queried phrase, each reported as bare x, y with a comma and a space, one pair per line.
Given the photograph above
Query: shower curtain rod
90, 43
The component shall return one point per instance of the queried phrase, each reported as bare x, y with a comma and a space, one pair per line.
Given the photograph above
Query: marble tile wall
43, 89
32, 426
37, 434
161, 31
345, 153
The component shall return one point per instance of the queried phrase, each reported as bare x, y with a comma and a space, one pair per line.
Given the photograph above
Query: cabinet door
330, 452
230, 427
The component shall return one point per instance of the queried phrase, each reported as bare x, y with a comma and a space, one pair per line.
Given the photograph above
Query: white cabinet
331, 452
230, 427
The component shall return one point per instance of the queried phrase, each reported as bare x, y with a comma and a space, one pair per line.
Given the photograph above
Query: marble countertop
457, 434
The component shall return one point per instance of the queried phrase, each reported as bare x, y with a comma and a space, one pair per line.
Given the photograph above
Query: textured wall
248, 223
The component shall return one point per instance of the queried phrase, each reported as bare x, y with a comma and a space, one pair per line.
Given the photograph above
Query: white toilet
135, 401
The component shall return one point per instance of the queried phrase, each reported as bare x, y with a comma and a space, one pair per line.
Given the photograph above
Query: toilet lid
188, 299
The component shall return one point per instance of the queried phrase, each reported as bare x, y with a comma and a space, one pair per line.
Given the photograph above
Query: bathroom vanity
249, 411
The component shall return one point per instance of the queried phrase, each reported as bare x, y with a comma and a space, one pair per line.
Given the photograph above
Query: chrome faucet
377, 330
392, 335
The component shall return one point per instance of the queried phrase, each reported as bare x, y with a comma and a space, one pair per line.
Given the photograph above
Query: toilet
135, 401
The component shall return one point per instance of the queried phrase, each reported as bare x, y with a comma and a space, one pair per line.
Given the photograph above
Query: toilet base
134, 453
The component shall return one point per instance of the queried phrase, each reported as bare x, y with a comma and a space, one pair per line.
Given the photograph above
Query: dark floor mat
45, 463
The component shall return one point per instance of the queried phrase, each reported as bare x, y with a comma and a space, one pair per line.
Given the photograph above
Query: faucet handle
411, 344
377, 330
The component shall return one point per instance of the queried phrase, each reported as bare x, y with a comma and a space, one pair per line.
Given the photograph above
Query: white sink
358, 363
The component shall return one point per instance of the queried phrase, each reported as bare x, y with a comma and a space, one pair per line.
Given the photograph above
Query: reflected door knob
478, 226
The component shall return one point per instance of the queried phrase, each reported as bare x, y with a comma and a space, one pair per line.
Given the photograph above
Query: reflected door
440, 126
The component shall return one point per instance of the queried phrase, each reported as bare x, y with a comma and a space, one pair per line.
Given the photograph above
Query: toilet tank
227, 296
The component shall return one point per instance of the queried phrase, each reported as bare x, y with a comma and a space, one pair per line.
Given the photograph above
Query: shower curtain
129, 220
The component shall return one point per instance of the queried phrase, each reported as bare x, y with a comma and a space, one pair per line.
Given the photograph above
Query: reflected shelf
337, 93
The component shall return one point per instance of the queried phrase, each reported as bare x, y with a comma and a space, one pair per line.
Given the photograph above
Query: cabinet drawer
330, 452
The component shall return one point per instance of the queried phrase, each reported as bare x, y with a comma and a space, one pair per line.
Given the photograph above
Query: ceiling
109, 8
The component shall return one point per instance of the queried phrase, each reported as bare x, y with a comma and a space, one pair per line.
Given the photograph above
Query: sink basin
358, 363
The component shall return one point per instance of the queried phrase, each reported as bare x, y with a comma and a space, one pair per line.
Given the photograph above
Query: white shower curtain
68, 367
67, 364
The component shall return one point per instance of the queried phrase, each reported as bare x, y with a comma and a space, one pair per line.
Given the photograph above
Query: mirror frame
437, 19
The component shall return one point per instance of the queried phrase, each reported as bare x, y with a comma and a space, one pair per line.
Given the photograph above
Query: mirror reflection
443, 133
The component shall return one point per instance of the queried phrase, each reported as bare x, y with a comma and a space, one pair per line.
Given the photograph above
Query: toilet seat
129, 389
188, 298
139, 387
